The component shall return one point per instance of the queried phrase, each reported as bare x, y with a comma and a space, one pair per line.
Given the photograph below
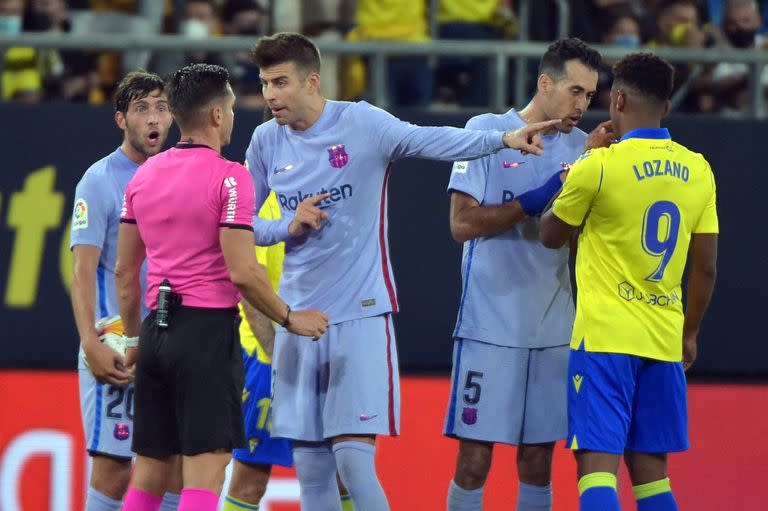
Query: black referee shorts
189, 384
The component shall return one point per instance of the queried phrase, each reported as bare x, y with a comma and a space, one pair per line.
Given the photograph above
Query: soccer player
642, 207
106, 394
510, 362
189, 212
328, 163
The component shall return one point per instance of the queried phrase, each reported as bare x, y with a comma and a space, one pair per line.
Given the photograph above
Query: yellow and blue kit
637, 203
257, 401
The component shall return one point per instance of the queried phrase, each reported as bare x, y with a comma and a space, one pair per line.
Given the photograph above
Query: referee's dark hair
192, 88
561, 51
646, 74
135, 85
287, 47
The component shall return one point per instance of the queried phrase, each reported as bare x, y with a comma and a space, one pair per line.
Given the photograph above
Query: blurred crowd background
35, 75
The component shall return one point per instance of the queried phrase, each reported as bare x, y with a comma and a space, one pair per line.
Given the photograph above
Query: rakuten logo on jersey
291, 202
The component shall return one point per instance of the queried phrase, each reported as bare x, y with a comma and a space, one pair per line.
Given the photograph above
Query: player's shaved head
192, 89
560, 52
646, 76
287, 47
136, 85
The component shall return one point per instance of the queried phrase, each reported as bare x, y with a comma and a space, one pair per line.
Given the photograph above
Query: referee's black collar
187, 145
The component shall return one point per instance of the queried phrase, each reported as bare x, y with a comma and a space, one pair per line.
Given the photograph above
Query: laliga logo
338, 156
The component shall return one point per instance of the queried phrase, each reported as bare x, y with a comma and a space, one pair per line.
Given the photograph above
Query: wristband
287, 317
534, 201
131, 342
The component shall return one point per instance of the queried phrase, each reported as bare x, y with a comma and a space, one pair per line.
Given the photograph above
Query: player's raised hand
528, 138
601, 136
309, 323
690, 349
107, 365
308, 216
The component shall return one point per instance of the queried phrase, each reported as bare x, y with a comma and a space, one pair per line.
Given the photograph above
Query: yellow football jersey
637, 203
271, 257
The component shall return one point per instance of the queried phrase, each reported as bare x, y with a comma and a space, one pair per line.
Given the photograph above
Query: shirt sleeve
580, 189
265, 232
708, 222
470, 176
90, 216
236, 198
398, 139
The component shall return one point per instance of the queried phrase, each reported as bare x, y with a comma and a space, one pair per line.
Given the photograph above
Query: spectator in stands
727, 83
409, 78
622, 30
466, 79
678, 23
199, 20
20, 80
244, 18
66, 74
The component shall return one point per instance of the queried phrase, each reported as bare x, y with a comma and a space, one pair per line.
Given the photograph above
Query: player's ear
120, 120
667, 107
313, 80
620, 100
544, 84
216, 115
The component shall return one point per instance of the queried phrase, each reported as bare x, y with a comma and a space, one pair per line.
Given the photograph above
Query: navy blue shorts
620, 403
257, 409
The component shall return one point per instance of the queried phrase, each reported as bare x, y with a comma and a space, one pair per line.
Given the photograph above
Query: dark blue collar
653, 133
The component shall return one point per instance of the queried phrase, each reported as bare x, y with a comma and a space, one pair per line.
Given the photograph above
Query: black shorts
189, 384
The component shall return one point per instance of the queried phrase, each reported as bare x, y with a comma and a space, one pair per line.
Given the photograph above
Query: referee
189, 211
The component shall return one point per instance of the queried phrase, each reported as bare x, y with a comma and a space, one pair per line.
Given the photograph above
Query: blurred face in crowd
246, 23
289, 91
568, 97
625, 33
146, 123
199, 19
676, 15
10, 17
740, 24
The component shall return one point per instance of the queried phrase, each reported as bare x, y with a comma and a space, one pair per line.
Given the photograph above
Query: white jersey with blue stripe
95, 222
344, 268
515, 292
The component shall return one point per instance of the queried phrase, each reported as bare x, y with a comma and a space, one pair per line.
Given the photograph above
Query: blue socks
97, 501
655, 496
534, 498
316, 471
460, 499
597, 492
357, 470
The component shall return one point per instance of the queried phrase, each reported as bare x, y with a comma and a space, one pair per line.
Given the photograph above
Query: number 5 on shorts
472, 396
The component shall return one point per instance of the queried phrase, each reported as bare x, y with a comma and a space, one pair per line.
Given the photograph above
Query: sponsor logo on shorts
368, 303
122, 431
365, 418
337, 156
577, 379
460, 167
469, 415
253, 443
80, 215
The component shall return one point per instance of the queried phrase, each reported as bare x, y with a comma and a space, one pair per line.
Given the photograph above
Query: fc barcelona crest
338, 156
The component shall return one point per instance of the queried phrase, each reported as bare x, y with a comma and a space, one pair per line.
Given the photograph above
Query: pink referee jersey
179, 199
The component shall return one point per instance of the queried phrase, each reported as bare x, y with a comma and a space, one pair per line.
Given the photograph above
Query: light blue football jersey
515, 292
344, 268
96, 219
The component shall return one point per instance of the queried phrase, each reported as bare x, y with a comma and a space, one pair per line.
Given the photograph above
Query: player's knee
472, 466
110, 476
534, 464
